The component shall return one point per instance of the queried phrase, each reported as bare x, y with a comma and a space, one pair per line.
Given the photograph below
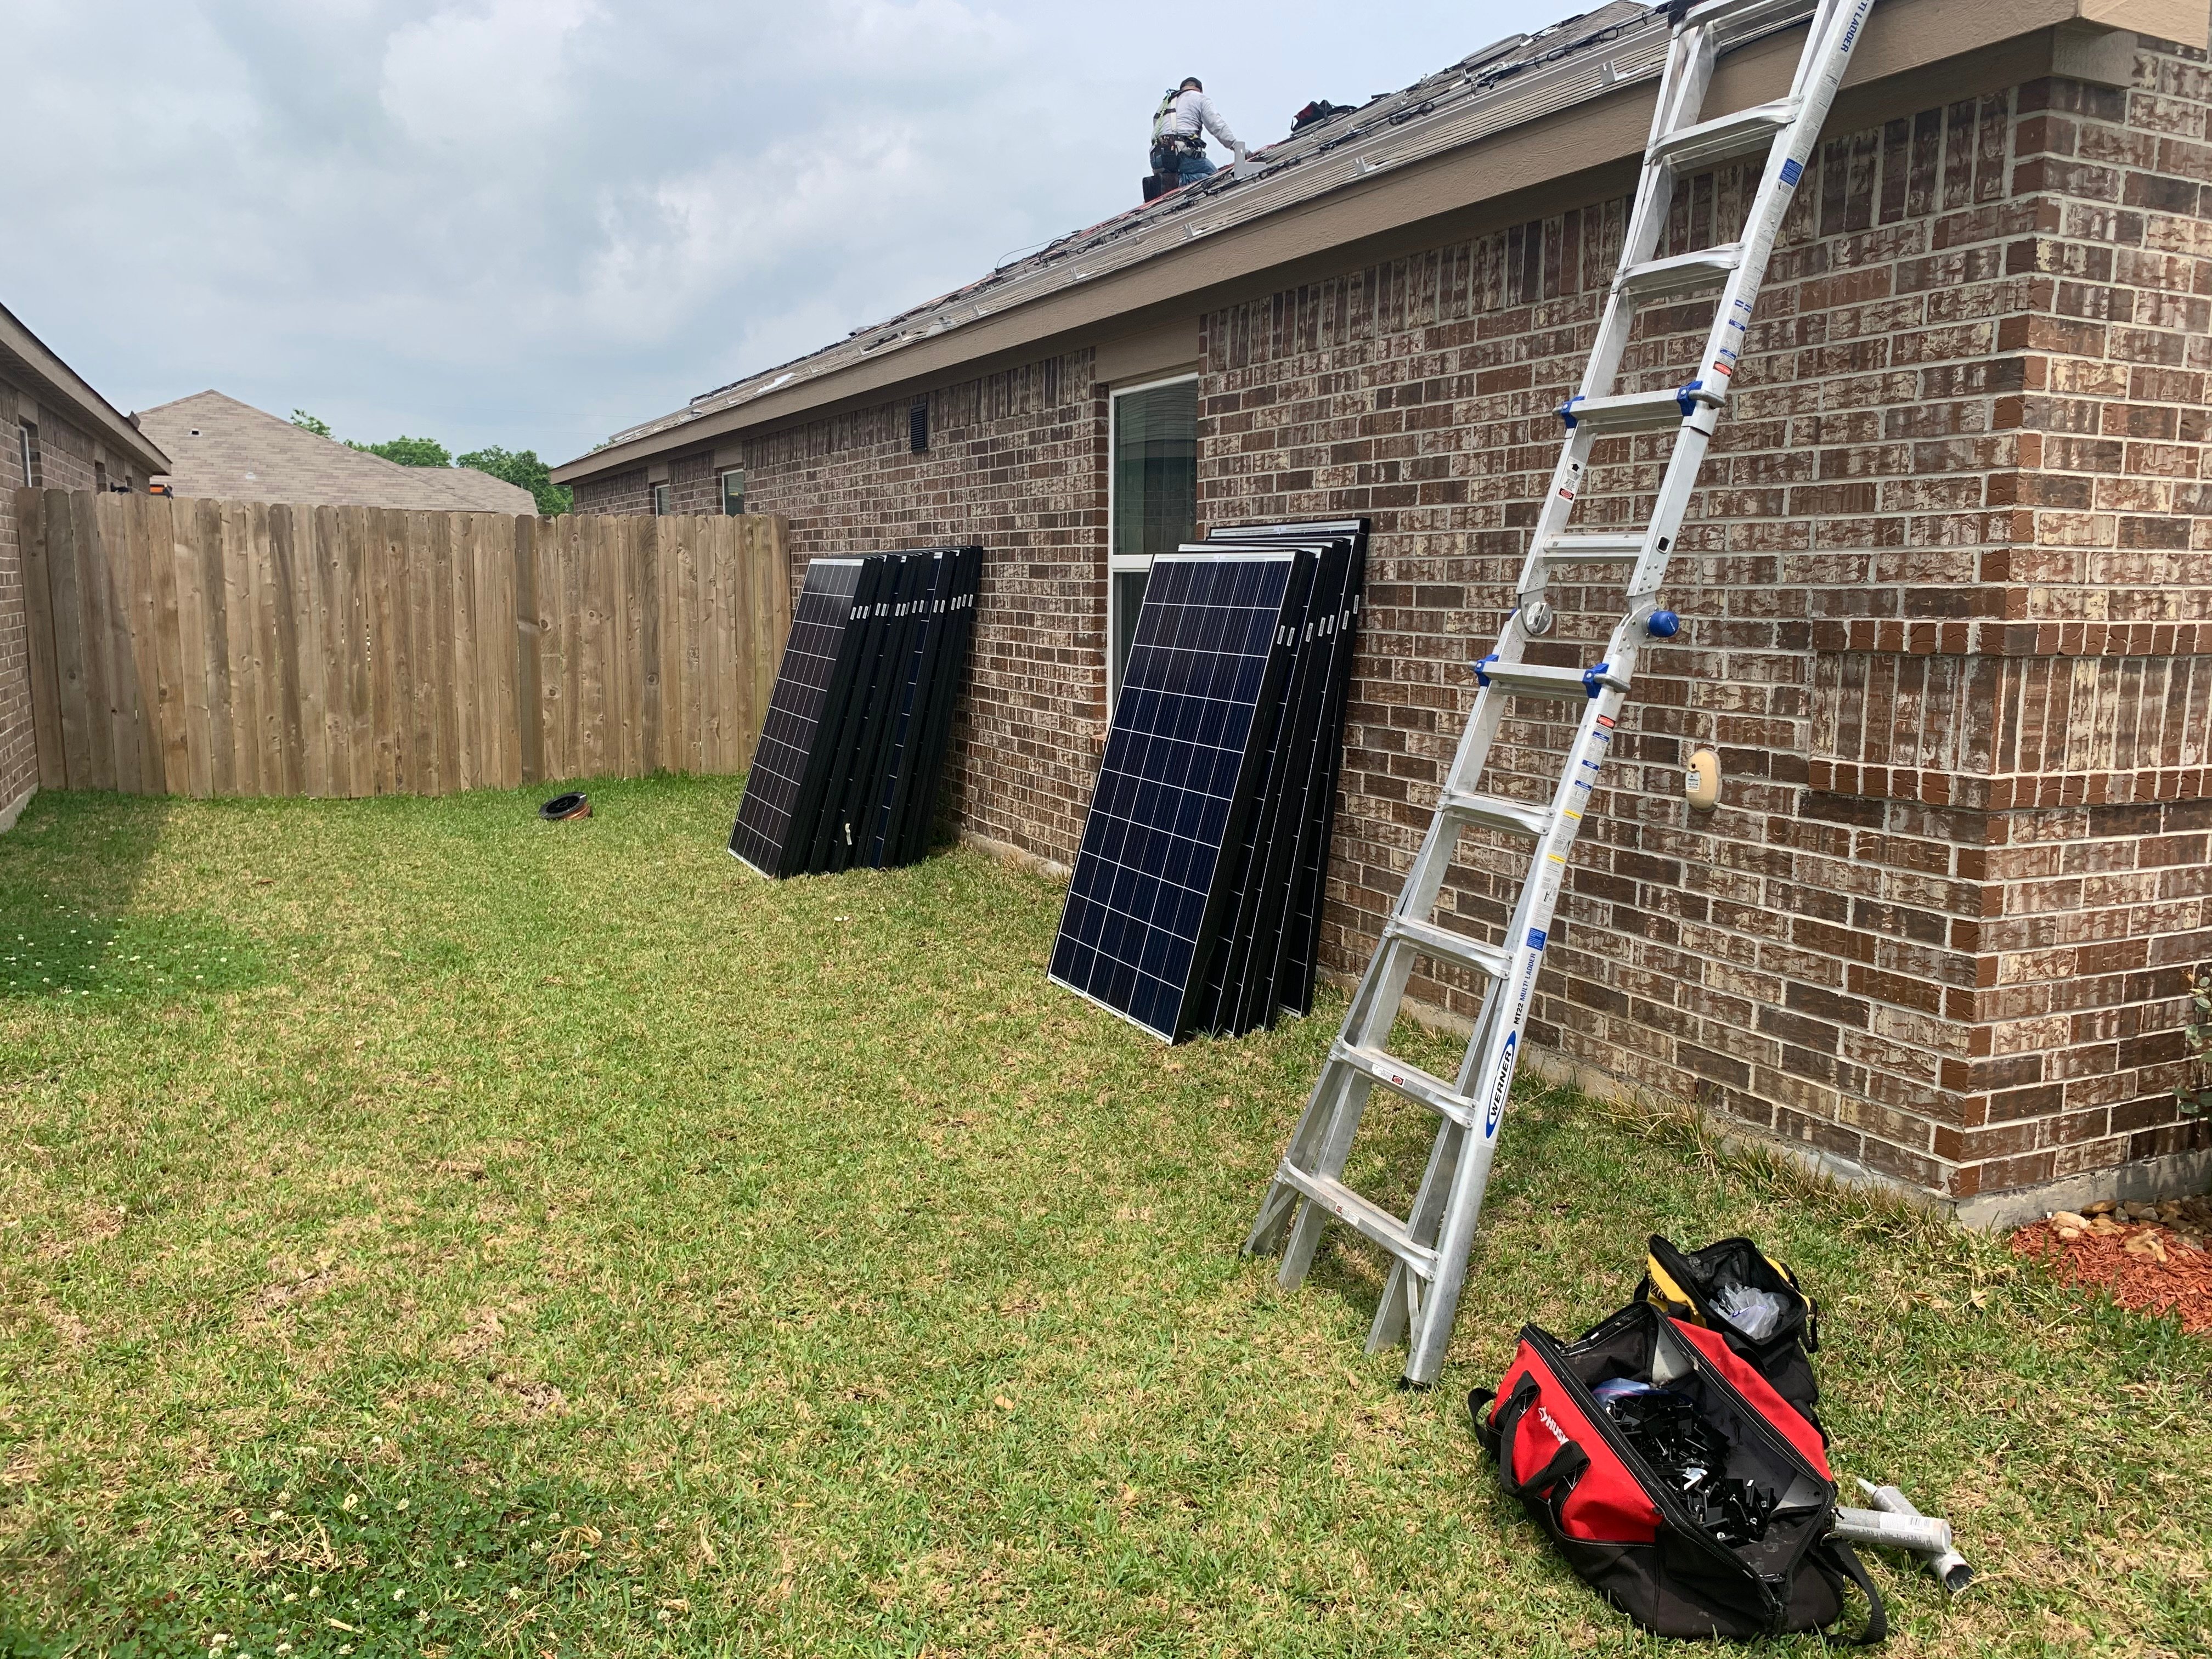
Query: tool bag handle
1845, 1559
1551, 1485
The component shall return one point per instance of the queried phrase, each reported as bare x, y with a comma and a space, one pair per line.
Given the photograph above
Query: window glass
1155, 499
733, 492
661, 501
27, 436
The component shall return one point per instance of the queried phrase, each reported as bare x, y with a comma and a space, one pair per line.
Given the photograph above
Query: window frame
658, 495
722, 486
1117, 563
26, 439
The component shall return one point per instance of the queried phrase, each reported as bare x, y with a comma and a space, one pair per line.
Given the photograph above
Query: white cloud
532, 222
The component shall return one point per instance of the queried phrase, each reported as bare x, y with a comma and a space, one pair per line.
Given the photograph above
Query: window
99, 477
661, 501
917, 427
1152, 500
733, 492
26, 435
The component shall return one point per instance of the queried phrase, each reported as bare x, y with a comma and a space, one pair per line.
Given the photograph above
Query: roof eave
1905, 36
71, 388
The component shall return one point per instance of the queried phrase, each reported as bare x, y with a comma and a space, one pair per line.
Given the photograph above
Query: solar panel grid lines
857, 719
1184, 757
773, 783
1293, 733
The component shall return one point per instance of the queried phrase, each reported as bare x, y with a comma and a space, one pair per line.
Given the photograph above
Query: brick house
58, 433
1948, 587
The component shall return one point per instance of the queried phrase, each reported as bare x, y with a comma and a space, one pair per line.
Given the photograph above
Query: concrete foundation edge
2168, 1176
1019, 857
14, 809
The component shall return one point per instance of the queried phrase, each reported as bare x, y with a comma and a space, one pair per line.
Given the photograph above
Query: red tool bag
1673, 1478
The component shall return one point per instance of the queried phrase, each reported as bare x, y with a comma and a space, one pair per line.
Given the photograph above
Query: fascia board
71, 390
1905, 36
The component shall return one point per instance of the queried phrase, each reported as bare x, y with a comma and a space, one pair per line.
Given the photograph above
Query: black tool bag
1673, 1479
1734, 1285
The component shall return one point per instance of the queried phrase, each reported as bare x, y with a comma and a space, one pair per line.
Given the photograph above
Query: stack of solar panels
847, 769
1196, 901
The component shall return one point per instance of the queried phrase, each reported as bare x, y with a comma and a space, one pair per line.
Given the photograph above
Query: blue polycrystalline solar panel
805, 682
1183, 755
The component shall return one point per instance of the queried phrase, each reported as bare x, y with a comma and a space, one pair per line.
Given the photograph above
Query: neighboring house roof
27, 361
234, 451
1478, 132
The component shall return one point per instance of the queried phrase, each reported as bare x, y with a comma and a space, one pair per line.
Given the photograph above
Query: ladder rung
1370, 1221
1590, 550
1679, 273
1735, 11
1525, 679
1631, 411
1435, 941
1417, 1086
1495, 813
1747, 132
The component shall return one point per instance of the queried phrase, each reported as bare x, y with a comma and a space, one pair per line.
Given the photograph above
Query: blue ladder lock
1567, 411
1481, 678
1593, 678
1664, 624
1686, 399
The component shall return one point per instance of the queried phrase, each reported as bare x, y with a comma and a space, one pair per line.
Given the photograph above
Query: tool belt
1179, 142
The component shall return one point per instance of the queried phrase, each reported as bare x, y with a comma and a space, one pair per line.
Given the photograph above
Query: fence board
222, 647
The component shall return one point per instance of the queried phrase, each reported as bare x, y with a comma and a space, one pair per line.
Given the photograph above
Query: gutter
1590, 114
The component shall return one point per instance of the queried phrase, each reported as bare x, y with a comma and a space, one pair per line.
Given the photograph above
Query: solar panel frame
1298, 949
1292, 733
763, 833
944, 687
854, 775
903, 741
1184, 754
1248, 1000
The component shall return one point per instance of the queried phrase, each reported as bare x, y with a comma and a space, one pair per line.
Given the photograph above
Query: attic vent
917, 426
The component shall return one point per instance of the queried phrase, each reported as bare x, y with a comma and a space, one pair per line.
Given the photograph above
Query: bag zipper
1553, 1353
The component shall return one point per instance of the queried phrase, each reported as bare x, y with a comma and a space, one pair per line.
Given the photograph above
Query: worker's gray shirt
1193, 111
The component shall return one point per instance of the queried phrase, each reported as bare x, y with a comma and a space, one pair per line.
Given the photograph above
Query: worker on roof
1179, 129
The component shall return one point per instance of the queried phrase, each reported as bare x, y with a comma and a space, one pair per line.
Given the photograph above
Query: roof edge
44, 361
1904, 36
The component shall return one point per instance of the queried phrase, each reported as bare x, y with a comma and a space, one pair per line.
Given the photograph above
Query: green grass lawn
427, 1230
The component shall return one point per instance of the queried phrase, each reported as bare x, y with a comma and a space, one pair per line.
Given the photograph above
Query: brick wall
1948, 619
66, 454
1949, 592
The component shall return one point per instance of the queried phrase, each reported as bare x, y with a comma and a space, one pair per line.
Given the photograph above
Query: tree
408, 452
524, 470
313, 423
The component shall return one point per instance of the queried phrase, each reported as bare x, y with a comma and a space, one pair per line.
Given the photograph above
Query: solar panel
1298, 947
777, 778
847, 767
1183, 760
1243, 979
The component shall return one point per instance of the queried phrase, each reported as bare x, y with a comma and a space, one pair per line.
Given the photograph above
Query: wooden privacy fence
238, 648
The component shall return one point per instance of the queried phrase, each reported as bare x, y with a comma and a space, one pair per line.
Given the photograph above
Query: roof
234, 451
27, 360
1438, 145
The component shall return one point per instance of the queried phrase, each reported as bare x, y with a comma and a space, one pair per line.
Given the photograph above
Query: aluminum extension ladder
1429, 1247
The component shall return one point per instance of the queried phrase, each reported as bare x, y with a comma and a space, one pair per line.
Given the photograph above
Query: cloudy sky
531, 222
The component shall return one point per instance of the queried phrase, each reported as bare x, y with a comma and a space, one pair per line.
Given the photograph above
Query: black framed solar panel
777, 783
910, 761
1299, 949
858, 751
1258, 861
1248, 999
949, 674
1184, 754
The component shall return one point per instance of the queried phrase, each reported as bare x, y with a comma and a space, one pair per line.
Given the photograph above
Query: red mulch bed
2148, 1265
